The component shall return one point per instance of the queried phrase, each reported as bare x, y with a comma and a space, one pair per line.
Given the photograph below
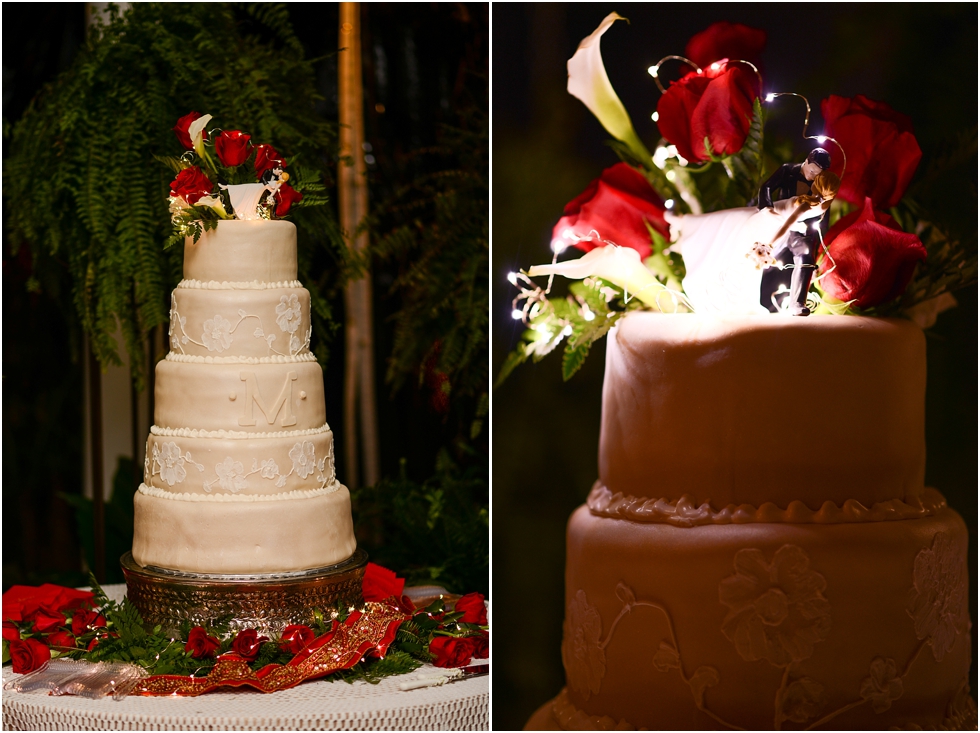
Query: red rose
266, 158
882, 153
450, 651
46, 621
481, 646
716, 104
286, 196
10, 631
84, 620
232, 147
191, 184
60, 641
726, 40
473, 608
180, 129
199, 644
380, 583
875, 259
613, 207
28, 655
21, 601
247, 644
296, 638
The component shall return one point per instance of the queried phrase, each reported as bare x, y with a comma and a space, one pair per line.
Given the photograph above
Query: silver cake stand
267, 603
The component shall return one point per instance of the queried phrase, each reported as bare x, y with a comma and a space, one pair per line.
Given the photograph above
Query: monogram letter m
284, 402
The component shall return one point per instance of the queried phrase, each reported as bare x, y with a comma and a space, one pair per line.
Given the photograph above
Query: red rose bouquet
707, 223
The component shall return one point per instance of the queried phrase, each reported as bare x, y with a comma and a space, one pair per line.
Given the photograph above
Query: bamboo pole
359, 395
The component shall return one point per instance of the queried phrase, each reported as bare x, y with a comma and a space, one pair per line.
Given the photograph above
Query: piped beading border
225, 285
234, 434
241, 498
684, 512
277, 359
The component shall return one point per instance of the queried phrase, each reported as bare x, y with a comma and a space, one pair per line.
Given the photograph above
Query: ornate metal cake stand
267, 603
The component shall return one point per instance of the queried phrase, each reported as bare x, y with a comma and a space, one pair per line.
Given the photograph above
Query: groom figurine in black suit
796, 251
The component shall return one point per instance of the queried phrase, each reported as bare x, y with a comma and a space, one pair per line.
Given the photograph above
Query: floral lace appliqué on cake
883, 685
777, 610
168, 463
581, 653
937, 601
217, 334
288, 313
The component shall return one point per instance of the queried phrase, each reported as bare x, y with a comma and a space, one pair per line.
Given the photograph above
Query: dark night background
425, 65
921, 59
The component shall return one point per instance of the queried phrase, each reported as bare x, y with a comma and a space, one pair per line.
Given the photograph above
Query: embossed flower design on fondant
883, 686
777, 610
581, 653
170, 462
288, 313
231, 475
937, 602
304, 460
217, 334
269, 469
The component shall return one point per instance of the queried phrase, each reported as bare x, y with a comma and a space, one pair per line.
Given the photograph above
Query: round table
315, 705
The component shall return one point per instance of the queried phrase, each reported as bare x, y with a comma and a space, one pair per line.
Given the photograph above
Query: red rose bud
10, 631
47, 621
296, 638
380, 583
286, 196
874, 258
199, 644
84, 620
247, 644
60, 641
726, 40
233, 147
614, 208
266, 158
192, 185
450, 651
882, 153
481, 646
181, 129
473, 608
27, 655
716, 104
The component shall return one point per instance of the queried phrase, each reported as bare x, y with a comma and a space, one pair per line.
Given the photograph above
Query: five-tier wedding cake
239, 473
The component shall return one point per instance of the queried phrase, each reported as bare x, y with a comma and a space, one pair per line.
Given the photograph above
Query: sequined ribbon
345, 645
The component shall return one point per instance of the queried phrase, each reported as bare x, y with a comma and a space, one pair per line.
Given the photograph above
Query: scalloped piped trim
233, 434
277, 359
224, 285
283, 496
570, 717
684, 513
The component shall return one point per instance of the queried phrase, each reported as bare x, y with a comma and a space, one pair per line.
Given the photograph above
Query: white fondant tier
230, 534
240, 463
243, 251
253, 398
761, 626
251, 323
757, 409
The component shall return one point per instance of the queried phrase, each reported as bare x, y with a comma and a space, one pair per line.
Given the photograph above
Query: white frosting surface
243, 252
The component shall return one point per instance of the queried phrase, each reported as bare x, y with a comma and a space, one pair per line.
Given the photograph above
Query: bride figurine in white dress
725, 251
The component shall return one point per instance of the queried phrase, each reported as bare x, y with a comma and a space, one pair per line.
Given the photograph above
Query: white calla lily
620, 266
215, 203
196, 133
587, 81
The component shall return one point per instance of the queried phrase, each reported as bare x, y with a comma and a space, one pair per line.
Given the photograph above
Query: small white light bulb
516, 314
655, 116
821, 139
770, 97
558, 246
512, 278
671, 175
669, 203
715, 66
653, 71
566, 331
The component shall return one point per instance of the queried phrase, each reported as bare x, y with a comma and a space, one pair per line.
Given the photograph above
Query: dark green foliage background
921, 59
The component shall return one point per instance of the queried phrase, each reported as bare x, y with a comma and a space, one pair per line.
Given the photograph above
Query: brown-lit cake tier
762, 625
755, 410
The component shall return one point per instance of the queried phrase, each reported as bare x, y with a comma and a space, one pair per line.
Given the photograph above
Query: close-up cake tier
237, 251
233, 462
225, 322
853, 626
243, 533
751, 410
248, 397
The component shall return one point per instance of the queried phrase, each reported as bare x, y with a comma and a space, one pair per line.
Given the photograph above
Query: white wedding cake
239, 472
